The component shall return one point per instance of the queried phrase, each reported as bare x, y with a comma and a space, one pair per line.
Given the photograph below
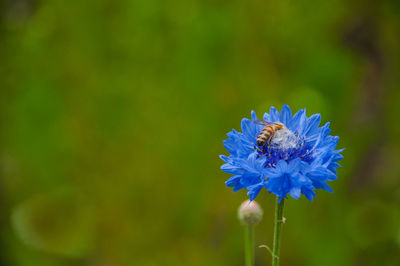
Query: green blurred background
113, 115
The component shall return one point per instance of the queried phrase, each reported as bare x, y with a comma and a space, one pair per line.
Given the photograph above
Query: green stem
277, 231
249, 244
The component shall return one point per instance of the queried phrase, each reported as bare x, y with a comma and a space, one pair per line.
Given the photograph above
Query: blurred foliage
57, 223
113, 114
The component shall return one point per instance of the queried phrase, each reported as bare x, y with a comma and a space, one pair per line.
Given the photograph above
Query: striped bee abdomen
267, 133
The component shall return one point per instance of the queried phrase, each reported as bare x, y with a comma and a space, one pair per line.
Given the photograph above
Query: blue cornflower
297, 160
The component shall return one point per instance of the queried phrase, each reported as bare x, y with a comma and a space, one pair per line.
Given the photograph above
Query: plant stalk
249, 245
277, 231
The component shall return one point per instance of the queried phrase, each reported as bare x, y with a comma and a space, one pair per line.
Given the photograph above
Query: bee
268, 131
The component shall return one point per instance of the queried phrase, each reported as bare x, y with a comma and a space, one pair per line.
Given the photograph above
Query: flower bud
250, 213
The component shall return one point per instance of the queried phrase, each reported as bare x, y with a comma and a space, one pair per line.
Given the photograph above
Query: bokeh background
113, 115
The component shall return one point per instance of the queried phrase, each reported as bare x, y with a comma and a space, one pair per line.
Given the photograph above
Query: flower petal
286, 115
295, 192
234, 182
254, 190
248, 128
274, 114
253, 116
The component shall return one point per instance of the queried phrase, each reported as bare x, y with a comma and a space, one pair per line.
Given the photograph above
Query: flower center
285, 139
285, 145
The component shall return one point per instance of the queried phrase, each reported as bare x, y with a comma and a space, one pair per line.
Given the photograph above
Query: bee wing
263, 123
